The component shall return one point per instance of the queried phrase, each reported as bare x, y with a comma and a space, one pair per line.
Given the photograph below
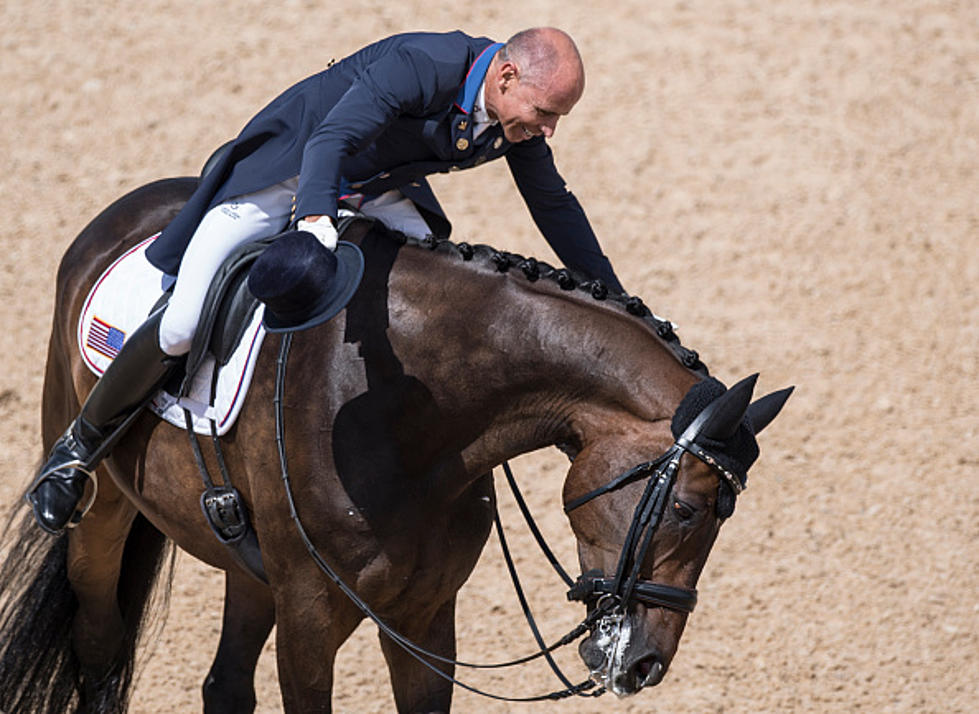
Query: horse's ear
762, 411
730, 410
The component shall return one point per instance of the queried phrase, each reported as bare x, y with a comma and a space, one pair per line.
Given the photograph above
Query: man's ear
507, 73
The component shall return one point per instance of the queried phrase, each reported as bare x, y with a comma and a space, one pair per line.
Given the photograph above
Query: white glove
323, 230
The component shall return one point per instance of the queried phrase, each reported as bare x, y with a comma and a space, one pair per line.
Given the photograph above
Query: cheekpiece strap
633, 474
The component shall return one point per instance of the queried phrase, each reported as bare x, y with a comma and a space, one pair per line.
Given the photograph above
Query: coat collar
474, 79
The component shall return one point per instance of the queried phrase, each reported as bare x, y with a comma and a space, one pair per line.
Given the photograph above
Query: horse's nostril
649, 672
625, 684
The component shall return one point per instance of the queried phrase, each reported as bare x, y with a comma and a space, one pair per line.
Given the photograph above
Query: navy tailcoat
386, 117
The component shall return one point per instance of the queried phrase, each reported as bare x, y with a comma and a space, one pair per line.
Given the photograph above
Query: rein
421, 654
605, 596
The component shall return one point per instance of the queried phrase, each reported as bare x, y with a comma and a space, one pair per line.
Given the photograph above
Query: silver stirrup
79, 513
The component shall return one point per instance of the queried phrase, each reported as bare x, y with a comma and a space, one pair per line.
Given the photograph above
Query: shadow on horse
450, 360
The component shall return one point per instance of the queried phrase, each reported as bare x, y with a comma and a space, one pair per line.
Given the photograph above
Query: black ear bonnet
736, 453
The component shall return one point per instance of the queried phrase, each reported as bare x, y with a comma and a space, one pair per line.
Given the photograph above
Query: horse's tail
39, 670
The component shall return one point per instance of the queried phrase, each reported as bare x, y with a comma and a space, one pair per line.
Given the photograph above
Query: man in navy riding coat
364, 133
401, 109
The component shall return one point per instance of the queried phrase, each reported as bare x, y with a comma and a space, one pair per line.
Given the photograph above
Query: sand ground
794, 183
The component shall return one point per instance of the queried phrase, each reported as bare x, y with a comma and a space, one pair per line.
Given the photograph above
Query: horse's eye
682, 511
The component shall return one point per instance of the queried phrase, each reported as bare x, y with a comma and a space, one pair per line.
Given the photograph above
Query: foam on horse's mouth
612, 636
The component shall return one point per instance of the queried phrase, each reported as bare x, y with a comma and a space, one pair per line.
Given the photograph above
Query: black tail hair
39, 670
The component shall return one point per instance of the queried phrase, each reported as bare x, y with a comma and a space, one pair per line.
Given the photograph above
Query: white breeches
397, 213
241, 220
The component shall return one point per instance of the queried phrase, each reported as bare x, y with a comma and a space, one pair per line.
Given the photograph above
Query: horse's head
646, 504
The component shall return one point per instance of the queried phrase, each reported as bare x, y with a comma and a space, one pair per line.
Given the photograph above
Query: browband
685, 442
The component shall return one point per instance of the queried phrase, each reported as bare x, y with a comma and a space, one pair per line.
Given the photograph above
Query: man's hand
321, 227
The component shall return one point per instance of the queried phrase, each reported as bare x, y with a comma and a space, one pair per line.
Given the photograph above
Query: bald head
535, 79
548, 59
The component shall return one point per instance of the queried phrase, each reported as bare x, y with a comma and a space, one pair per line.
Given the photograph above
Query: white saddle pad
119, 303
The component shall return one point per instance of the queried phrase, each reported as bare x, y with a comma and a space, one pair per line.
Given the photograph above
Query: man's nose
549, 127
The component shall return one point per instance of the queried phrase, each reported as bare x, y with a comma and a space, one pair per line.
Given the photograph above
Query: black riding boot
129, 381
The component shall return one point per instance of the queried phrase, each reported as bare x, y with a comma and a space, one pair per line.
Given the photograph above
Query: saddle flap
227, 310
234, 313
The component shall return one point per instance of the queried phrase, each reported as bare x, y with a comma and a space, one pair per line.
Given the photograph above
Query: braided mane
534, 270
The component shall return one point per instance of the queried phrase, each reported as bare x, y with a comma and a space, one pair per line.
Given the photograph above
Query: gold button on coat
462, 143
498, 142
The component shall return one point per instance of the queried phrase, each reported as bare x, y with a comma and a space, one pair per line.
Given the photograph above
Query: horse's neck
528, 365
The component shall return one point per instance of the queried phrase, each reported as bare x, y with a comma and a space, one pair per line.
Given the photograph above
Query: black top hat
303, 283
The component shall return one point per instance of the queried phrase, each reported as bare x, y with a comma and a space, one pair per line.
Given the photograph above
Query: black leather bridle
626, 586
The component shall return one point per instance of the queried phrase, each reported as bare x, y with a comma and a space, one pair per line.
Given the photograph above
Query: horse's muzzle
616, 659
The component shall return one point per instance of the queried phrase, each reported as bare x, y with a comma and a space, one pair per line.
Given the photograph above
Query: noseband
627, 587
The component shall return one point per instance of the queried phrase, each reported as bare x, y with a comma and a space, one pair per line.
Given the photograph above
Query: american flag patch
104, 338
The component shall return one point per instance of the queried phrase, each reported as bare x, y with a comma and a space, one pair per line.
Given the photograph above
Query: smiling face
529, 91
523, 109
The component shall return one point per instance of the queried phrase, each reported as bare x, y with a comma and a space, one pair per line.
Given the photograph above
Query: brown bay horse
450, 360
